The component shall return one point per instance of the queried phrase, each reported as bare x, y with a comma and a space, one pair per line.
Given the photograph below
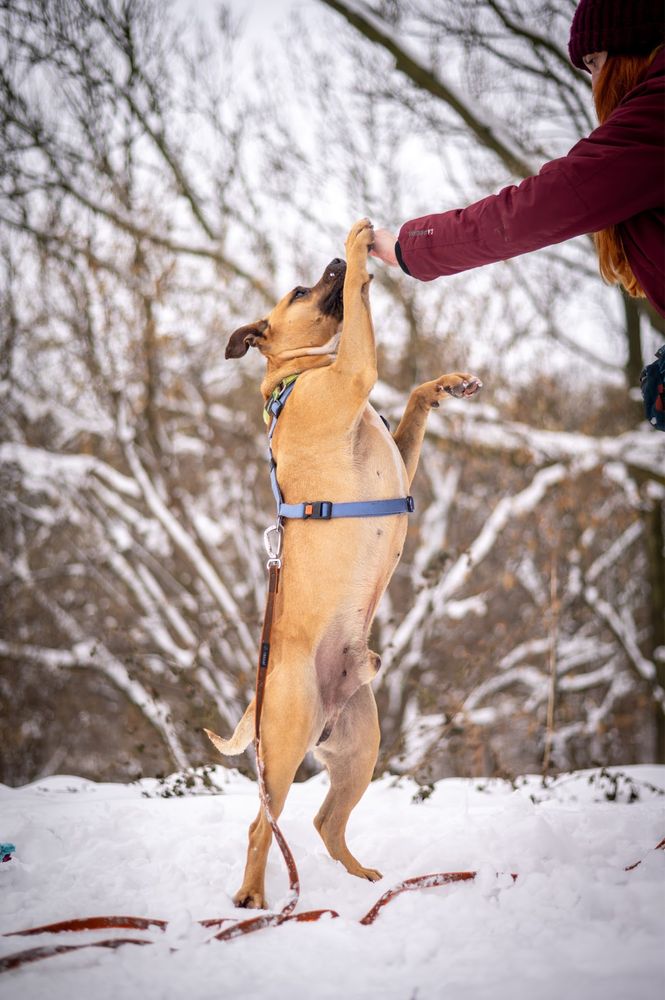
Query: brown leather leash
274, 570
238, 928
273, 538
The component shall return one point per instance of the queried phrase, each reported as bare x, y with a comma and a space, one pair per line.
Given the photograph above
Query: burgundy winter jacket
615, 176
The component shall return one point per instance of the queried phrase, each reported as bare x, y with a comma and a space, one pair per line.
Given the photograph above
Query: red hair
618, 77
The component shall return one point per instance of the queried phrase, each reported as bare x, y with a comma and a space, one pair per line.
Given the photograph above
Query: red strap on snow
636, 864
19, 958
94, 924
419, 882
237, 929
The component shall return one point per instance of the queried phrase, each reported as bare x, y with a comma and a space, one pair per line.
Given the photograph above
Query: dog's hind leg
349, 755
286, 731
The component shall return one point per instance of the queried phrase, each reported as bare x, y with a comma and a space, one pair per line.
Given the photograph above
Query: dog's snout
332, 284
336, 267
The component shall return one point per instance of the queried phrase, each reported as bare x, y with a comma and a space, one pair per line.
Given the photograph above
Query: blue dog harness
320, 510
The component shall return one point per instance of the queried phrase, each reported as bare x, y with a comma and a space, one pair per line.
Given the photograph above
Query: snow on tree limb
624, 629
615, 551
482, 427
42, 467
91, 653
185, 543
456, 576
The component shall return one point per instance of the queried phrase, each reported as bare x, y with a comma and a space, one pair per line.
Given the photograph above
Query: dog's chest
356, 461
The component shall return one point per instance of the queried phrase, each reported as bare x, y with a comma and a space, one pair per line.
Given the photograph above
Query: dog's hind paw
355, 868
372, 874
249, 900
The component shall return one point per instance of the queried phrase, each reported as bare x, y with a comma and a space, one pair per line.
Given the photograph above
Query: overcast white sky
260, 17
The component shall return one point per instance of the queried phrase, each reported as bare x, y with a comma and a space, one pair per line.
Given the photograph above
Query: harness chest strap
320, 510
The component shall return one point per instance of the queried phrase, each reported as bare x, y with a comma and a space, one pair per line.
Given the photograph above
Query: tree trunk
634, 363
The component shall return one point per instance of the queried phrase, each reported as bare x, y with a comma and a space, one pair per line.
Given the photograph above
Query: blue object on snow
6, 851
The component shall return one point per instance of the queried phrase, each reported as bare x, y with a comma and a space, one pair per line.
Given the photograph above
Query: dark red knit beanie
626, 27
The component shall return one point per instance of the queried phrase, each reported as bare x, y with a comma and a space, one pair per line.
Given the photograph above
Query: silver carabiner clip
272, 539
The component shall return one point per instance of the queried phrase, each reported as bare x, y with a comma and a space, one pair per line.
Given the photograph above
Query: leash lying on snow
237, 929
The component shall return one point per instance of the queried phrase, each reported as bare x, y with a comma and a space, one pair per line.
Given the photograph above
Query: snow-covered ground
575, 925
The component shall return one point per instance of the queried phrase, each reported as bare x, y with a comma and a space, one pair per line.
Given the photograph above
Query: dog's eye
299, 293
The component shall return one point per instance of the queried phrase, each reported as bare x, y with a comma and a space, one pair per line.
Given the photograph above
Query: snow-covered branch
482, 427
624, 629
46, 469
454, 578
91, 654
187, 546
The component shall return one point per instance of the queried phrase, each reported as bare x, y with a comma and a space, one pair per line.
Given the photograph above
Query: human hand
384, 246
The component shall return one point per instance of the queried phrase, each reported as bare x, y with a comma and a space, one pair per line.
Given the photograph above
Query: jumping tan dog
329, 444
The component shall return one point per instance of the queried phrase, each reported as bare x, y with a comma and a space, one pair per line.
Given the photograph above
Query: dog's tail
242, 736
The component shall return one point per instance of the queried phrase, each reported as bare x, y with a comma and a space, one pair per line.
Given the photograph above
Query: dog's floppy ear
245, 337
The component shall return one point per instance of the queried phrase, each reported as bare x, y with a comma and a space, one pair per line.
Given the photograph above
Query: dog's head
305, 322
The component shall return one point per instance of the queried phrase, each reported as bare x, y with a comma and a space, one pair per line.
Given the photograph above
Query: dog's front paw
458, 384
359, 242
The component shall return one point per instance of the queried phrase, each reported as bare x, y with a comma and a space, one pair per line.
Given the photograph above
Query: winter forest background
167, 172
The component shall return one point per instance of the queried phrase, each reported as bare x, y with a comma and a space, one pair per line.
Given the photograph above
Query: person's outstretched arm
607, 178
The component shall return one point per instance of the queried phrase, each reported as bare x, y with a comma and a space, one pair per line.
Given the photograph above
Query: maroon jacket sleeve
607, 178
